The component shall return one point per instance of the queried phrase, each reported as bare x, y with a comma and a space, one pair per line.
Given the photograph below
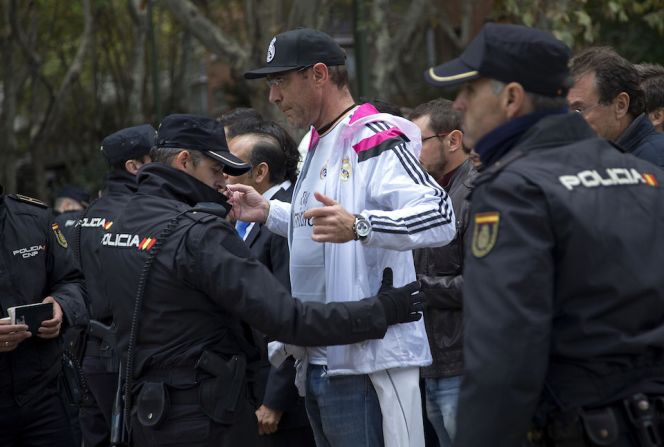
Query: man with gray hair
607, 93
563, 312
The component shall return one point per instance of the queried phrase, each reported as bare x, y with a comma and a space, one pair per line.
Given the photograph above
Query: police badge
485, 233
59, 236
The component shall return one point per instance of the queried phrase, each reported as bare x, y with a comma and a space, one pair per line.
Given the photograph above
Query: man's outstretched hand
248, 204
401, 304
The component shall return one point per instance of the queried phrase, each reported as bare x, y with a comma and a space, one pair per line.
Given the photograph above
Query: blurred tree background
75, 71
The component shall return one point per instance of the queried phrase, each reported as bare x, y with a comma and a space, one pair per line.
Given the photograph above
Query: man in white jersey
361, 203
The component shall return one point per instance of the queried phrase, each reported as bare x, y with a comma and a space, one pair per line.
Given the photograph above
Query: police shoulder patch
59, 236
485, 233
26, 199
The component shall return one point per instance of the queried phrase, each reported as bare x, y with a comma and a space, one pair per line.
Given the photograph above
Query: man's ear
456, 140
514, 100
320, 72
182, 160
657, 118
261, 172
621, 105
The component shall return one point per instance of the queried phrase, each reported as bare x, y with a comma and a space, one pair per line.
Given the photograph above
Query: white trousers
398, 391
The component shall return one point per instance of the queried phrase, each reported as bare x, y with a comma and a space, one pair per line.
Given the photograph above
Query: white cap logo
270, 50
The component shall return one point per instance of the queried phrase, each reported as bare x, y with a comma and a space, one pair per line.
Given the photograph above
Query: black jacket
280, 391
439, 272
34, 264
643, 141
98, 219
203, 282
67, 222
269, 248
563, 281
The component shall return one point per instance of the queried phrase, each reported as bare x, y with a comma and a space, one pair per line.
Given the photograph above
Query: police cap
510, 53
74, 192
199, 133
127, 144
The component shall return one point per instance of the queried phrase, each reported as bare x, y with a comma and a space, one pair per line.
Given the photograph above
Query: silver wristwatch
361, 227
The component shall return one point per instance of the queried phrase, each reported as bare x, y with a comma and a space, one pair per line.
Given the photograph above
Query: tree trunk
138, 13
10, 148
51, 118
213, 38
390, 42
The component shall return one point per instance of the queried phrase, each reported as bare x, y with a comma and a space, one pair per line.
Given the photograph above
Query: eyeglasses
585, 110
440, 135
278, 80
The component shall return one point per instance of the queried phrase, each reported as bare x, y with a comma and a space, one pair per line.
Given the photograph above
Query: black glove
401, 304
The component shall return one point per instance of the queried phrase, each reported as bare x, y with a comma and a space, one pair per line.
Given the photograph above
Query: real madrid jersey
307, 261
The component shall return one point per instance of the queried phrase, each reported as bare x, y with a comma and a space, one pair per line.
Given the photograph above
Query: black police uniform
101, 361
67, 222
563, 291
35, 263
200, 288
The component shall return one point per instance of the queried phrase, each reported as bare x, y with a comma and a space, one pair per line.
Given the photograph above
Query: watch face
363, 227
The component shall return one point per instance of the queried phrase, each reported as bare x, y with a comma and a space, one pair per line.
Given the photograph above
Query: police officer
35, 267
186, 279
563, 287
125, 151
69, 204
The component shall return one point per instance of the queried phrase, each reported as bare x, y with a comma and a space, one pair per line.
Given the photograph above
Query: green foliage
585, 22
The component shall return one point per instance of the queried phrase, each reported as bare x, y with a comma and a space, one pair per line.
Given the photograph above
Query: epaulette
26, 199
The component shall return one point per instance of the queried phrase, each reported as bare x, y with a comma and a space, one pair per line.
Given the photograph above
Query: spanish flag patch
485, 233
650, 179
59, 236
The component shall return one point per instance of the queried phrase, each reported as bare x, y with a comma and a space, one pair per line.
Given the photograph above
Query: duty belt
177, 377
637, 420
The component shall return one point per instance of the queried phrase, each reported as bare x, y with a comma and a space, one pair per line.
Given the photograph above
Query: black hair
652, 84
236, 119
339, 75
383, 106
442, 116
647, 70
276, 148
613, 75
653, 87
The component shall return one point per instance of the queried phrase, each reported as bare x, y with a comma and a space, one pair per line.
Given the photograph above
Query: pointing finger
325, 200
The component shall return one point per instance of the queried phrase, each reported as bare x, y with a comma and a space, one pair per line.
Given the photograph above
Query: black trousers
95, 416
42, 422
185, 425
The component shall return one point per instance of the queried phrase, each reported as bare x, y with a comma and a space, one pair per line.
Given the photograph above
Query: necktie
241, 228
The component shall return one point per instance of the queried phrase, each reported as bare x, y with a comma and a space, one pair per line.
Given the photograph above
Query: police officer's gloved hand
401, 304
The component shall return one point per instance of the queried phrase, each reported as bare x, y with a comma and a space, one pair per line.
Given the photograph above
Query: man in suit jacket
273, 156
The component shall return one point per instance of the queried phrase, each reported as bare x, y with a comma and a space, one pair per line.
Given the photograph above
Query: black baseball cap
510, 53
127, 144
299, 48
199, 133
